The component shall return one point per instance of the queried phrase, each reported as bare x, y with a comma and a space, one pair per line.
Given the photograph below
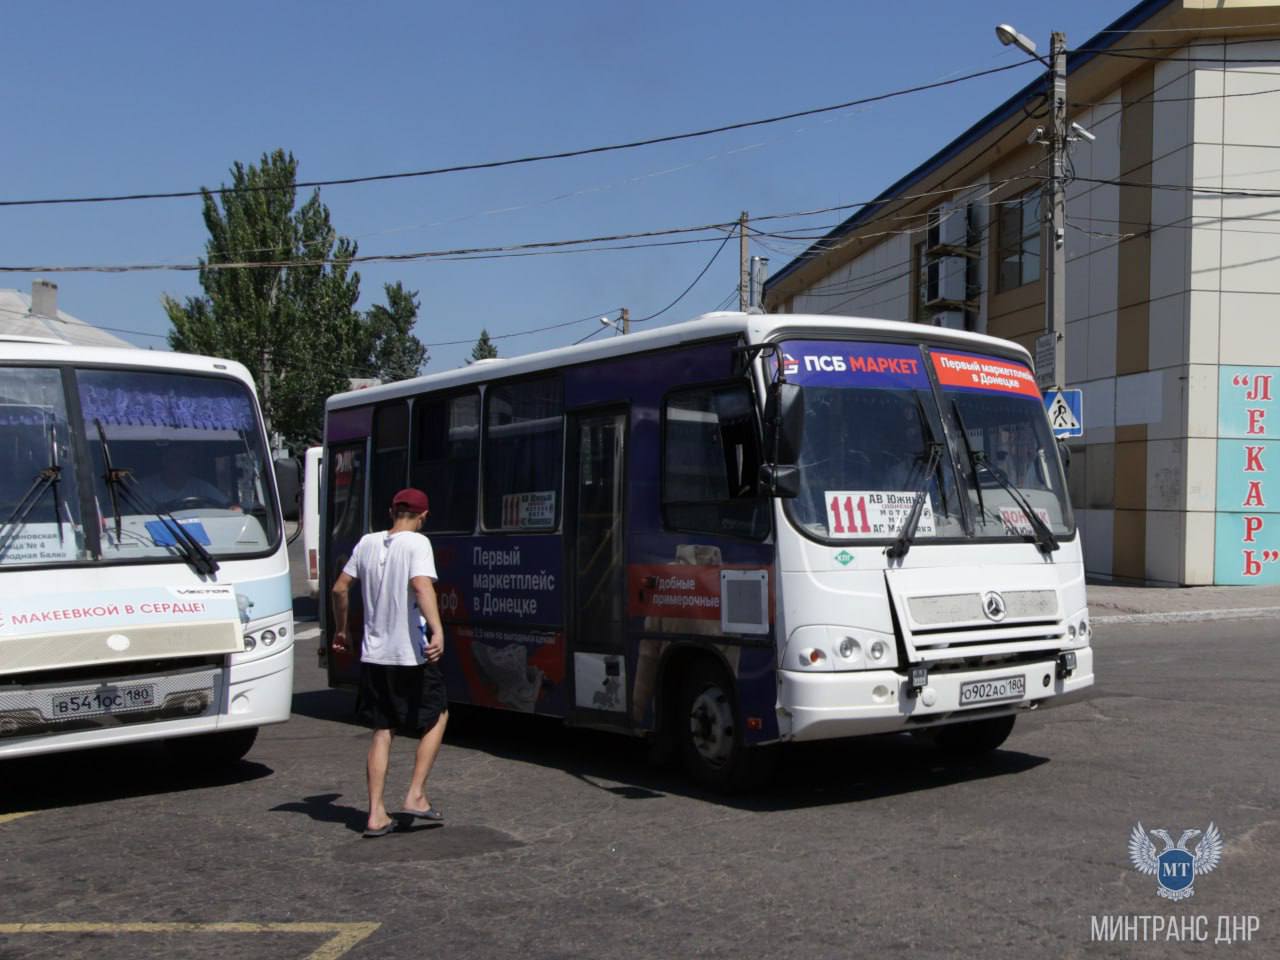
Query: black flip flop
380, 832
431, 813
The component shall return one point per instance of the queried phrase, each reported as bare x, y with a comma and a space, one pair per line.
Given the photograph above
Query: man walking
401, 686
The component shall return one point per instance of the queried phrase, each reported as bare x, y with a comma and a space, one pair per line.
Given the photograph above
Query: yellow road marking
6, 817
344, 935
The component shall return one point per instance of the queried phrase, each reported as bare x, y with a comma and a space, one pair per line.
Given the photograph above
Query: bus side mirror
783, 423
1064, 454
780, 480
289, 486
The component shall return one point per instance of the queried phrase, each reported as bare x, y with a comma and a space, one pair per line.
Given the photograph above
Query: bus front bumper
825, 706
250, 694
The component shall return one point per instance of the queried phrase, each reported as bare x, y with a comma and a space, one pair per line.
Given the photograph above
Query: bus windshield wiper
907, 534
968, 449
1045, 539
123, 488
45, 479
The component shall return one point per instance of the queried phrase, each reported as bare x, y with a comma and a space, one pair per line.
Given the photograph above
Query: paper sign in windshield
970, 371
871, 514
524, 511
1015, 521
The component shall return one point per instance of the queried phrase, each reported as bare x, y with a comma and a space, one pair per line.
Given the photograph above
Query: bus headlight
848, 648
268, 637
250, 642
877, 650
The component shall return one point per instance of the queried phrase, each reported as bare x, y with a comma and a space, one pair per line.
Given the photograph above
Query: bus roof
43, 351
754, 327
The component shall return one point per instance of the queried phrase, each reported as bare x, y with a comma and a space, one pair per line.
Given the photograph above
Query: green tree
392, 351
484, 348
291, 321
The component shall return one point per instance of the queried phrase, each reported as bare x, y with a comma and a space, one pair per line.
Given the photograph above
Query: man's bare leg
428, 748
379, 757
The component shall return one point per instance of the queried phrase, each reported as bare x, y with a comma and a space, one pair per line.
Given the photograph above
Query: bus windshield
192, 449
182, 446
998, 415
872, 443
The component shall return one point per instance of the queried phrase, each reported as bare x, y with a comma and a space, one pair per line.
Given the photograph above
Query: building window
711, 463
1018, 232
446, 457
523, 448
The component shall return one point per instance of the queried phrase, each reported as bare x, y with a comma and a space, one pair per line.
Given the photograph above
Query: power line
522, 333
535, 158
468, 252
701, 274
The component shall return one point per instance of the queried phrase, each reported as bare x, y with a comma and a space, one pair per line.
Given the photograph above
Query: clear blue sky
139, 97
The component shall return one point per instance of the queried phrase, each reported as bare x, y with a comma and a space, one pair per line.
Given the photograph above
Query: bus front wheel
710, 736
223, 749
975, 737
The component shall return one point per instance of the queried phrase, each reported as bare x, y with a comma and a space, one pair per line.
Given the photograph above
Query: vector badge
1175, 868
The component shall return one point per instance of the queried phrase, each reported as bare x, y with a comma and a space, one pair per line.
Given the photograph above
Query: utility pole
626, 320
744, 265
1055, 218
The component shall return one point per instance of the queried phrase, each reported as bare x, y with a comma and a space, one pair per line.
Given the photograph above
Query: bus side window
711, 463
390, 460
446, 455
523, 449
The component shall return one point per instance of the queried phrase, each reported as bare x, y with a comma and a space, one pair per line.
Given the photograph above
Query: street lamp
1011, 37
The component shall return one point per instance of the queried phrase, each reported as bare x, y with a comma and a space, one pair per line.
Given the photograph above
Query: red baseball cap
414, 499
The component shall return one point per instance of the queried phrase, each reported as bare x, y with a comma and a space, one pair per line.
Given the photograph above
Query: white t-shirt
384, 563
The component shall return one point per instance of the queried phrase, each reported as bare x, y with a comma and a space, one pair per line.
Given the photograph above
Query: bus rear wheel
709, 733
206, 750
974, 738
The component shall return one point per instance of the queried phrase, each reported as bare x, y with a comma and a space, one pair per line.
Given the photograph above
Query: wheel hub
711, 725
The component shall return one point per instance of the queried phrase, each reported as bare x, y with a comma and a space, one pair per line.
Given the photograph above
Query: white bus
735, 532
310, 517
143, 570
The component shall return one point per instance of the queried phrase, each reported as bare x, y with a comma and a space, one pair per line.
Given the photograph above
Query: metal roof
17, 322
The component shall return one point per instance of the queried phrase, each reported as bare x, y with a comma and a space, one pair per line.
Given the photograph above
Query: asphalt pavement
567, 843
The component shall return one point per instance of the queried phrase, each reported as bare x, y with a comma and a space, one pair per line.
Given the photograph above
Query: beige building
1172, 280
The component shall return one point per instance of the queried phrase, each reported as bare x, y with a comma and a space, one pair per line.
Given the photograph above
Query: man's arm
425, 590
339, 592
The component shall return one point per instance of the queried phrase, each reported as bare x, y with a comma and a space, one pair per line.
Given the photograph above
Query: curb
1191, 616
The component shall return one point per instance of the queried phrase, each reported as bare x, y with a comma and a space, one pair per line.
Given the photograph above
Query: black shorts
407, 700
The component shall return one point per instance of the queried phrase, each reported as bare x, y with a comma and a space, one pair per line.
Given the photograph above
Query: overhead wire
534, 158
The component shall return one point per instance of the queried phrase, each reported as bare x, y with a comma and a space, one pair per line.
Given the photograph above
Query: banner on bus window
971, 371
855, 514
848, 363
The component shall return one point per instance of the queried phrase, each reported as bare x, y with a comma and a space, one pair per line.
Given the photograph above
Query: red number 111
850, 523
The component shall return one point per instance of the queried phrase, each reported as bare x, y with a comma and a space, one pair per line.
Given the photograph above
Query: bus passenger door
595, 565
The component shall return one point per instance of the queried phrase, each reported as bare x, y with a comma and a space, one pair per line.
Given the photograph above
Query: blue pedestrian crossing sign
1066, 412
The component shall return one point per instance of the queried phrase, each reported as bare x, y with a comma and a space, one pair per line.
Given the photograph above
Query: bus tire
708, 732
974, 738
207, 750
